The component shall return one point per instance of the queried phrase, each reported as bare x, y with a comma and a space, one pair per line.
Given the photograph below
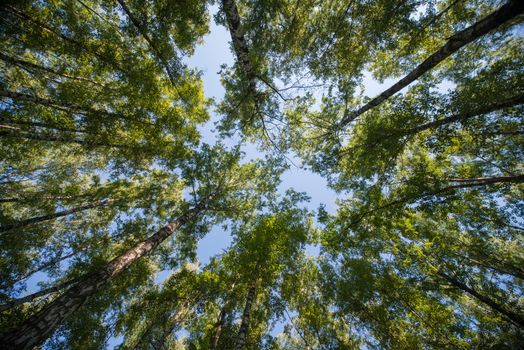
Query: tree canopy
108, 181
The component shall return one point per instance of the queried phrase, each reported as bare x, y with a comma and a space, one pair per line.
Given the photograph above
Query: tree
215, 185
506, 13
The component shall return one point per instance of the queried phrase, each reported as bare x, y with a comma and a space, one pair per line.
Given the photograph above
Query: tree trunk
510, 102
481, 181
462, 183
180, 315
244, 326
28, 298
460, 117
34, 331
82, 46
32, 66
440, 14
498, 266
48, 217
42, 125
38, 137
39, 268
53, 262
42, 101
504, 14
143, 31
157, 344
66, 106
515, 318
239, 43
29, 198
218, 328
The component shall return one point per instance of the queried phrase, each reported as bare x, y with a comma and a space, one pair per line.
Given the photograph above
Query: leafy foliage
107, 185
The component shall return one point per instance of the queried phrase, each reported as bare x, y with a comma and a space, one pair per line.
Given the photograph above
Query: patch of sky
208, 58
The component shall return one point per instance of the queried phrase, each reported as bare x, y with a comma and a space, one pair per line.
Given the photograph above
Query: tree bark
39, 268
459, 117
48, 217
515, 318
43, 101
461, 183
28, 298
71, 107
42, 125
244, 325
218, 328
505, 13
495, 106
32, 66
66, 38
49, 138
481, 181
440, 14
180, 315
58, 259
34, 331
143, 31
28, 198
158, 343
239, 43
496, 265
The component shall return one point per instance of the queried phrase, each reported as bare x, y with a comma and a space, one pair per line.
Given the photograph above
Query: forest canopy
110, 180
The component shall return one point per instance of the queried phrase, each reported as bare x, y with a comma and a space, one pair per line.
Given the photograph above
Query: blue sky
208, 58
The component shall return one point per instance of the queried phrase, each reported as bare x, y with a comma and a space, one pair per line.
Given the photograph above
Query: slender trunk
34, 124
179, 316
38, 219
510, 102
172, 322
71, 107
505, 13
514, 317
66, 106
54, 138
32, 66
460, 117
75, 250
480, 257
481, 181
244, 325
42, 101
139, 343
498, 266
103, 18
218, 328
440, 14
499, 133
28, 298
143, 31
462, 183
39, 327
242, 52
33, 197
43, 26
239, 43
306, 343
41, 268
